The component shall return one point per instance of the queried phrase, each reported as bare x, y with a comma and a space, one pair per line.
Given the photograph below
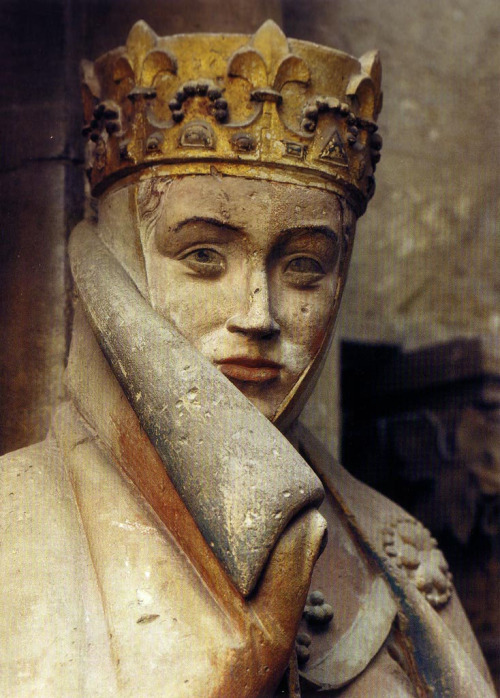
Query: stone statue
169, 538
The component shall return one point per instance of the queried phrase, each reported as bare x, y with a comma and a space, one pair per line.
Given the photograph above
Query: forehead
245, 203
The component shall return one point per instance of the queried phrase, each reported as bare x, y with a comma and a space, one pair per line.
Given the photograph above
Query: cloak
116, 583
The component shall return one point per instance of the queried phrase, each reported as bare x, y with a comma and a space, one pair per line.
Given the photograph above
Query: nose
256, 318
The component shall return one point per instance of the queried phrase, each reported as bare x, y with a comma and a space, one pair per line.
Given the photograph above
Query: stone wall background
426, 267
40, 199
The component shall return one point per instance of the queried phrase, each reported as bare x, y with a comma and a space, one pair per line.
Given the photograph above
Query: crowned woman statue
169, 538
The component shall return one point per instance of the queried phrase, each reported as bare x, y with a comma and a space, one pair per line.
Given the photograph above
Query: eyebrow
203, 219
300, 229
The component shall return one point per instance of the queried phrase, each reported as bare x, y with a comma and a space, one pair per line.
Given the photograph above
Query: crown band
261, 107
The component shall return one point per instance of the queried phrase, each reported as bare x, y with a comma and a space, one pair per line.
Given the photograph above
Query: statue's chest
349, 612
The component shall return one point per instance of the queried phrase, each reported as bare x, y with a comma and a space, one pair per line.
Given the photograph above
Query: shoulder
38, 512
25, 480
409, 559
32, 479
43, 567
386, 530
16, 461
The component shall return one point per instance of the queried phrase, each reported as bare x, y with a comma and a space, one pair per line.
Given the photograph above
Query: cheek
195, 306
304, 315
296, 357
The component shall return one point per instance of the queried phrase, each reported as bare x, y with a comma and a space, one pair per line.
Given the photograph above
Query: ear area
118, 228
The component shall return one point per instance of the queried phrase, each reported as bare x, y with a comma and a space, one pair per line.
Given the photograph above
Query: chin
261, 397
267, 409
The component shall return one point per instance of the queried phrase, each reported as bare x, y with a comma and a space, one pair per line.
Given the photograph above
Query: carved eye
204, 261
304, 271
305, 264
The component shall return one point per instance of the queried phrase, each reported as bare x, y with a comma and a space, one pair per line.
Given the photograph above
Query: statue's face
247, 271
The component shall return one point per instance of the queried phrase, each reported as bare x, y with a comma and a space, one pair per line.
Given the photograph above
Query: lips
242, 368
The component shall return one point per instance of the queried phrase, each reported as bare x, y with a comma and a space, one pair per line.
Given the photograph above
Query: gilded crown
261, 106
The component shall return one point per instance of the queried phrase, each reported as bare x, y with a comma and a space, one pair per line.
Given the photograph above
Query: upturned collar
239, 477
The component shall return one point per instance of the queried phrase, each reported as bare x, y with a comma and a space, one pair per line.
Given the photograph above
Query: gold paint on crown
263, 107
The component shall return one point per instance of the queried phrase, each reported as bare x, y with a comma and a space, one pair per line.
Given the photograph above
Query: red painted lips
248, 370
